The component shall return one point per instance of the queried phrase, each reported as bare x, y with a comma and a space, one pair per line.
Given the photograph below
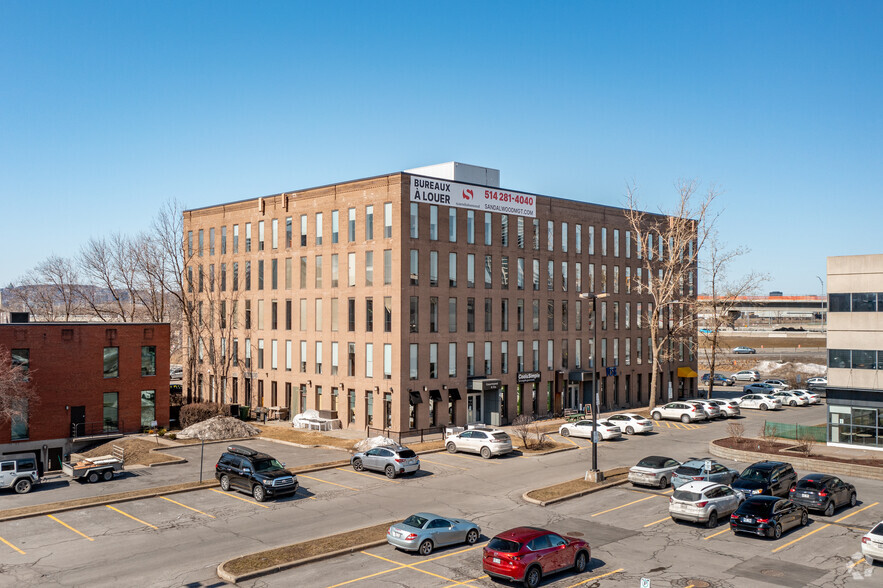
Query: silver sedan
424, 531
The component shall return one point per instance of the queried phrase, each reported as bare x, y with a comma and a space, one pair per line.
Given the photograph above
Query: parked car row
690, 411
611, 427
754, 376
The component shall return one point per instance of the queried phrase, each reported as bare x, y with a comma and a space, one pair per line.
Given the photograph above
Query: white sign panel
448, 193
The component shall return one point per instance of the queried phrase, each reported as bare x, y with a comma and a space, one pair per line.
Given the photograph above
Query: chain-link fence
796, 432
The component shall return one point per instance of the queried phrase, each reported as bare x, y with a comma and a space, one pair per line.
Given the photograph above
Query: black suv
773, 478
254, 472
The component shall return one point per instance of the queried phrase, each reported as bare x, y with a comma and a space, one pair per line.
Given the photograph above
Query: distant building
855, 351
776, 293
92, 380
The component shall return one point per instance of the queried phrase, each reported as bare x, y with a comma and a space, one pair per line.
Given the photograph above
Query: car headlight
757, 491
267, 482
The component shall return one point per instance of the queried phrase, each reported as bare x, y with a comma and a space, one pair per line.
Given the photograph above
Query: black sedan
823, 492
767, 516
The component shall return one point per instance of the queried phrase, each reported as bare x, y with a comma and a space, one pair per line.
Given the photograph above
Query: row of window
556, 275
289, 234
22, 357
290, 363
858, 359
856, 302
620, 314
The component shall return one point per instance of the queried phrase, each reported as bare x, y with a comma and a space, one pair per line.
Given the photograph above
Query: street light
594, 475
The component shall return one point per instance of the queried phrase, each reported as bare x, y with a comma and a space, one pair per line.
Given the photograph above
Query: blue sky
107, 109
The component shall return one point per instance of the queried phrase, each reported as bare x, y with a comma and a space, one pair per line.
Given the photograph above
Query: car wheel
663, 483
579, 565
107, 475
565, 432
23, 486
852, 499
656, 416
792, 403
486, 452
358, 465
472, 537
629, 431
225, 483
258, 493
804, 519
829, 509
763, 407
777, 531
712, 520
92, 477
425, 547
532, 577
452, 448
390, 472
685, 418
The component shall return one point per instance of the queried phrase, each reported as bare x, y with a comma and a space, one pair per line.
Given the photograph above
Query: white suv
482, 440
686, 412
761, 401
704, 502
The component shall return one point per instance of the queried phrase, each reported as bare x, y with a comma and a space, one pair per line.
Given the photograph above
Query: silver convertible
425, 531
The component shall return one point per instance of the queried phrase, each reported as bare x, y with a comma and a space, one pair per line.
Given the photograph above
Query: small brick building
92, 380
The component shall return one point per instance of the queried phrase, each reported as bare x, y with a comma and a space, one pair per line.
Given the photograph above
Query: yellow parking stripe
659, 521
62, 523
403, 566
187, 507
444, 464
592, 579
466, 582
228, 495
627, 504
416, 569
856, 512
801, 538
568, 439
716, 534
12, 546
373, 476
131, 517
852, 565
327, 482
470, 457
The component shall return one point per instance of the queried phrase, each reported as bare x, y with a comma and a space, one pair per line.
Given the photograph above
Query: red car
527, 554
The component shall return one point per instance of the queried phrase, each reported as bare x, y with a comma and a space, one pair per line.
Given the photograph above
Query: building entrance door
473, 407
573, 399
78, 421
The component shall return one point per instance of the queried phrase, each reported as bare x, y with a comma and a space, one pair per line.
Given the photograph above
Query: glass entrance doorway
573, 400
473, 407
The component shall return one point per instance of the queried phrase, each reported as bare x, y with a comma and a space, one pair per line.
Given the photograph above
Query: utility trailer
93, 469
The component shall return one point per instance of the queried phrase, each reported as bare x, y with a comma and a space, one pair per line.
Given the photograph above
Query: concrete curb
178, 461
836, 468
233, 578
598, 488
302, 446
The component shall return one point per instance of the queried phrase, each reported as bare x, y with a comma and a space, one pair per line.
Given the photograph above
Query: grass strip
289, 554
578, 485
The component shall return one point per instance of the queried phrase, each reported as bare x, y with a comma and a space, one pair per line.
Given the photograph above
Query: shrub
172, 436
769, 436
200, 411
736, 431
521, 427
807, 442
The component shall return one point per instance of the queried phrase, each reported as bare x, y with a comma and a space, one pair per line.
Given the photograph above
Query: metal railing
429, 434
96, 429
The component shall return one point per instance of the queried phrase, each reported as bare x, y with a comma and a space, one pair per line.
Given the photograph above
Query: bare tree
521, 427
724, 296
16, 390
49, 291
110, 263
668, 246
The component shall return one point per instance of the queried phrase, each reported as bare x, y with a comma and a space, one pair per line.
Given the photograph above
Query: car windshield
267, 465
652, 462
415, 521
504, 545
755, 474
687, 496
756, 507
809, 485
407, 453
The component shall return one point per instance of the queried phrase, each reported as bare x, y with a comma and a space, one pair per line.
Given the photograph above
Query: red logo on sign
467, 194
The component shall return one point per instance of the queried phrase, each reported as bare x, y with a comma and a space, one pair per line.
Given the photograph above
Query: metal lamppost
594, 475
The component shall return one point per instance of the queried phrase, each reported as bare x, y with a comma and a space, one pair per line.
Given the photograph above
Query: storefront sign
529, 377
448, 193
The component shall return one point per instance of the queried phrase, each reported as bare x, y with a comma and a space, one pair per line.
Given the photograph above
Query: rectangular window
211, 241
319, 227
303, 230
504, 272
260, 235
260, 354
148, 360
564, 276
470, 315
433, 314
839, 303
351, 314
148, 408
274, 236
452, 225
111, 411
504, 357
387, 361
433, 222
519, 356
18, 424
387, 267
470, 270
519, 276
111, 362
536, 234
387, 220
504, 230
387, 314
564, 317
369, 360
519, 314
201, 241
550, 235
433, 268
414, 268
864, 302
288, 232
550, 315
550, 269
303, 357
452, 360
535, 352
334, 314
274, 274
564, 237
415, 223
351, 269
335, 270
433, 360
616, 279
302, 320
369, 315
318, 357
488, 315
303, 272
452, 270
369, 223
520, 232
260, 274
488, 353
628, 244
488, 230
578, 238
452, 315
470, 227
274, 352
603, 240
470, 359
317, 314
413, 314
413, 352
536, 315
335, 226
591, 240
550, 354
351, 225
351, 359
319, 272
488, 271
335, 366
288, 355
615, 242
247, 237
369, 268
504, 314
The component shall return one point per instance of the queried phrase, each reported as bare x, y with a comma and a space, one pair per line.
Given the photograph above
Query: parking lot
629, 530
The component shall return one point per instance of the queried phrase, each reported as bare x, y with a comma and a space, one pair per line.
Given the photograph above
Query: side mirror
282, 464
246, 470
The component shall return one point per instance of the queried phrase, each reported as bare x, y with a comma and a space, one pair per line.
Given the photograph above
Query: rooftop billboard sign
482, 198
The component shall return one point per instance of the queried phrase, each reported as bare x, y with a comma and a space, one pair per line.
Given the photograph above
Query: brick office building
415, 299
91, 380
